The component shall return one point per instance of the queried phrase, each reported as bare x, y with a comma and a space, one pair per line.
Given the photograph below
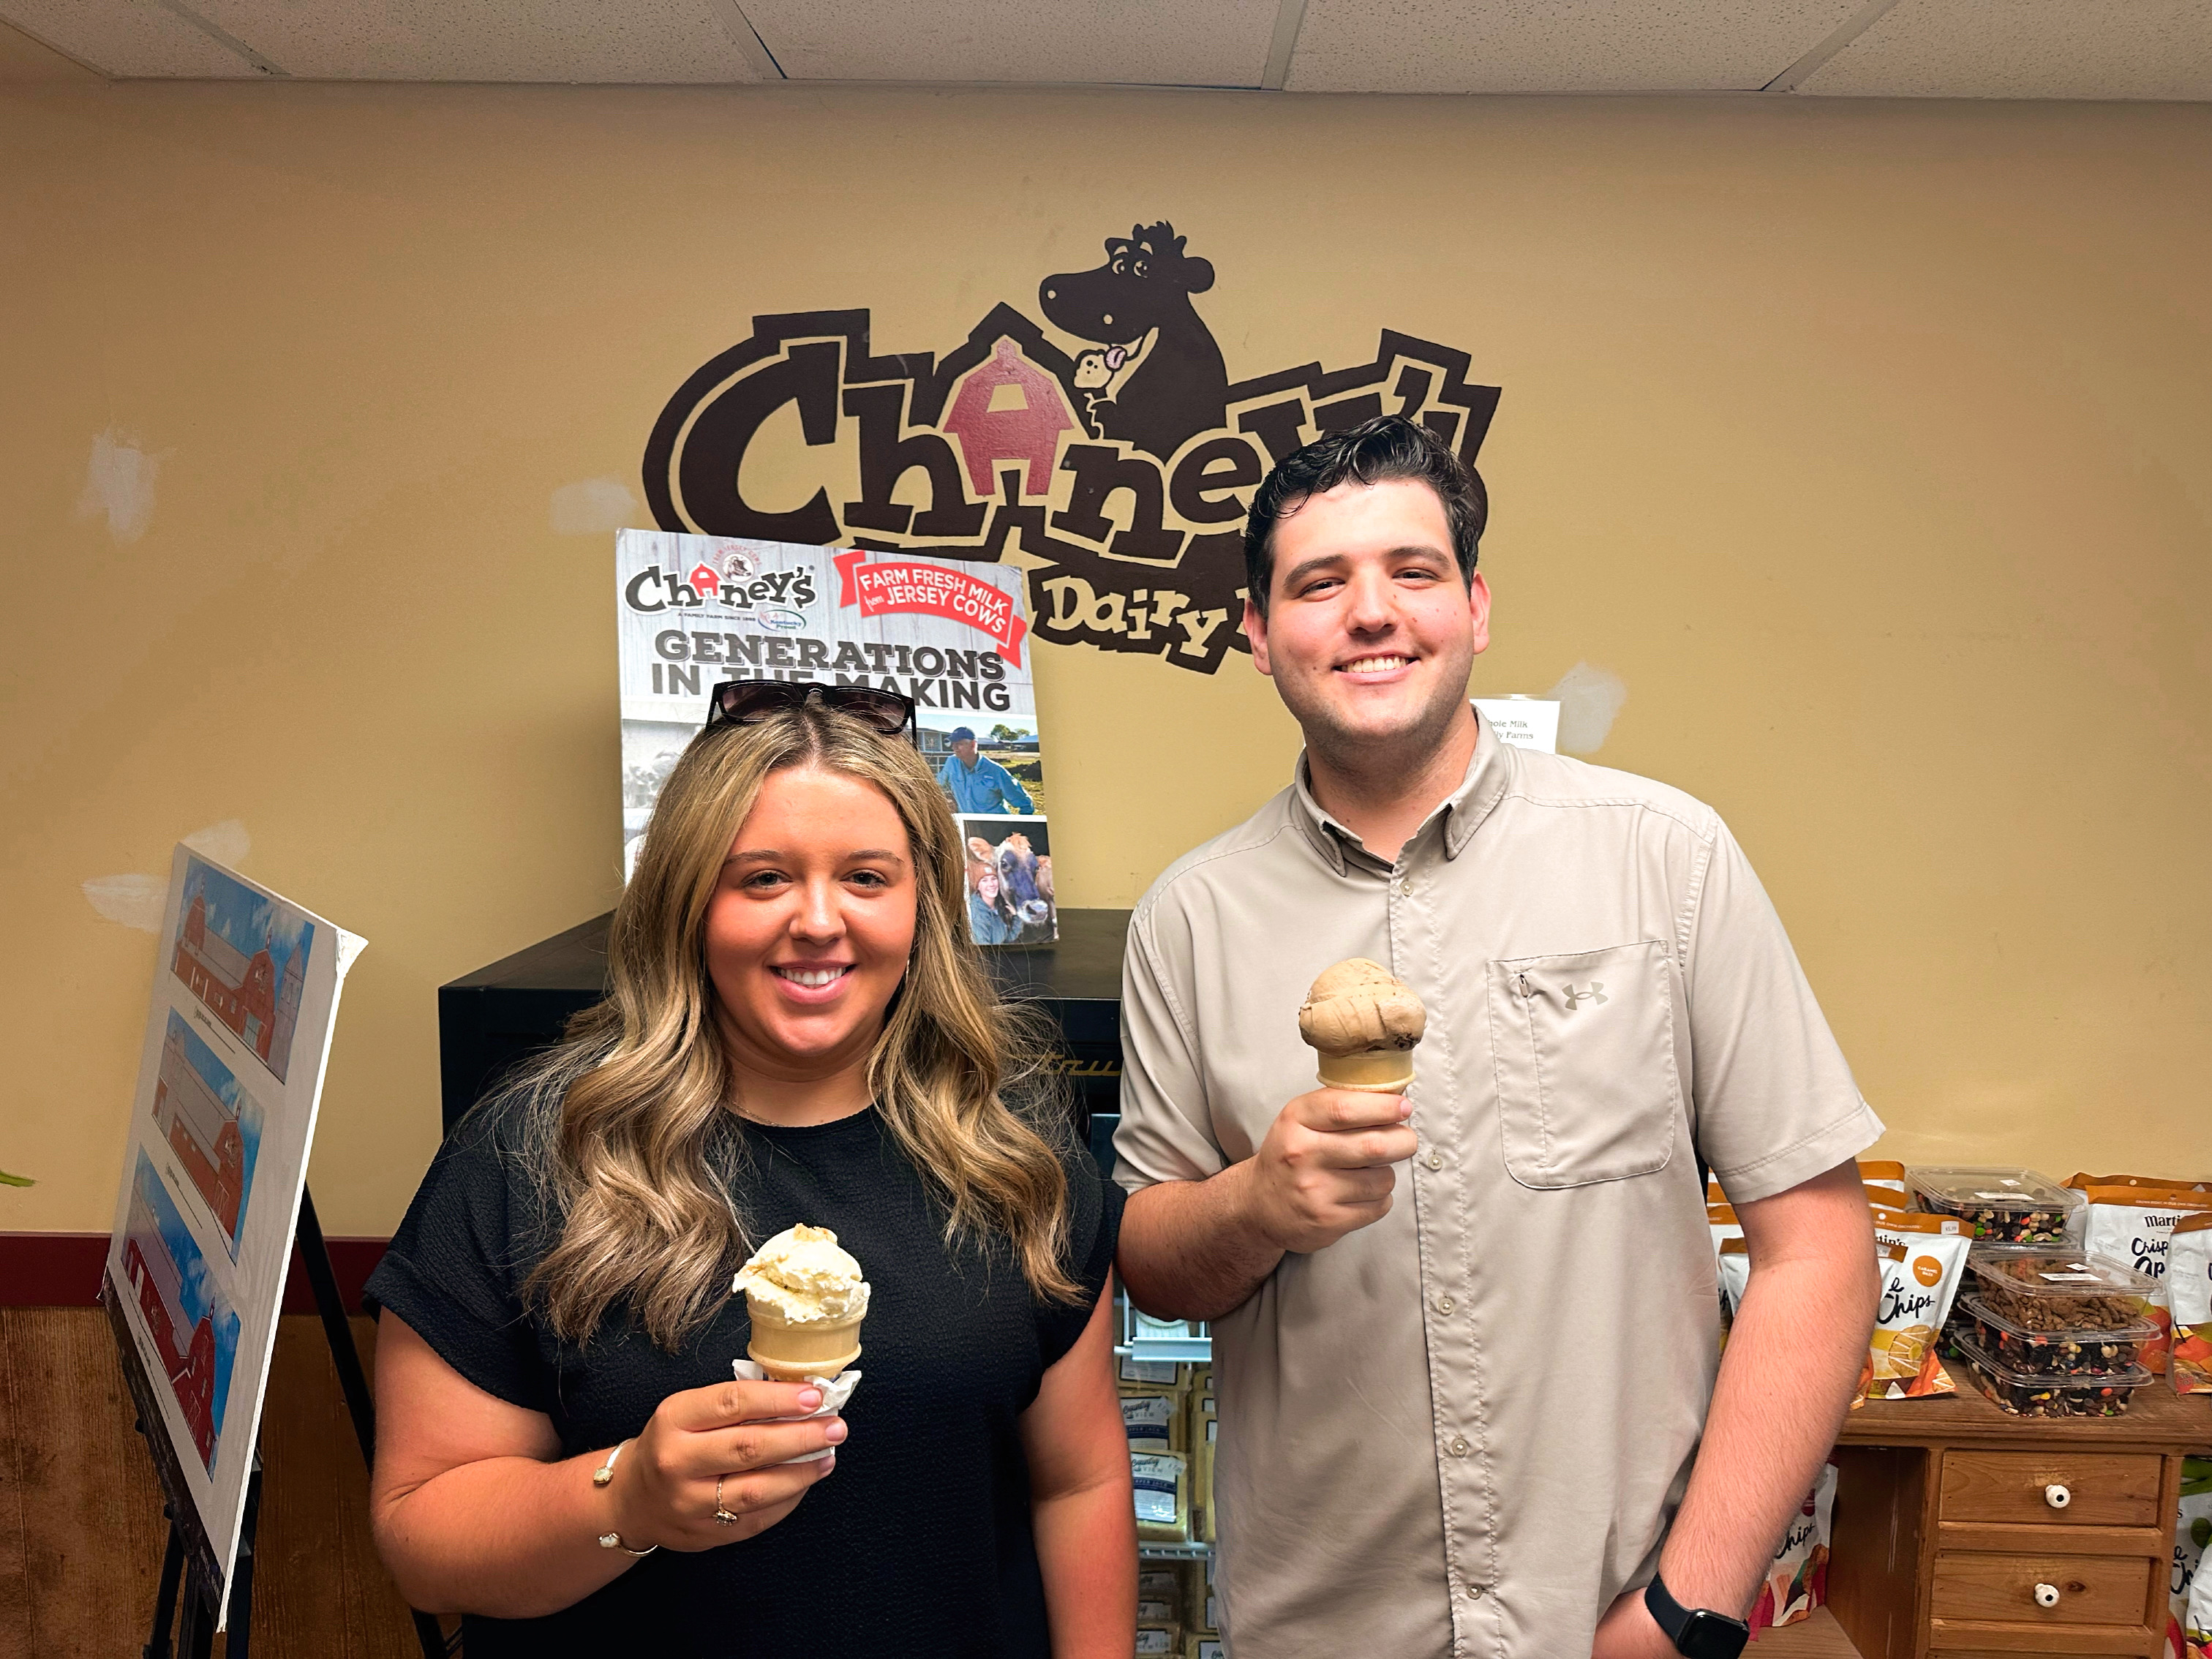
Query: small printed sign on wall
1524, 723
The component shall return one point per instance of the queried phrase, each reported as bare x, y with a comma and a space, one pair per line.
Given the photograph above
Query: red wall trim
62, 1270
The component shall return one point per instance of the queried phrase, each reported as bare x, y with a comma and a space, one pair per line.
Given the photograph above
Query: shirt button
1405, 889
1436, 1160
1445, 1305
1458, 1446
1475, 1592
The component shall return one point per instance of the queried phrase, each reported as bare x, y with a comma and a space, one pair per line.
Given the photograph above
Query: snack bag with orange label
1884, 1172
2130, 1220
1798, 1581
1902, 1361
2189, 1297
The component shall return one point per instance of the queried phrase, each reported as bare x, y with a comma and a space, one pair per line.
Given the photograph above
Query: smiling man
1465, 1340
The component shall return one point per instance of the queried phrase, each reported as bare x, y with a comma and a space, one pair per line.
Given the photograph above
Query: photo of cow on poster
1009, 880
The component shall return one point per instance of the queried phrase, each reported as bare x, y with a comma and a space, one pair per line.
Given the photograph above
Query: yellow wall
1867, 444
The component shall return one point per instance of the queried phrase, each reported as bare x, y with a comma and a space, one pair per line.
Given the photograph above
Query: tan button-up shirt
1466, 1428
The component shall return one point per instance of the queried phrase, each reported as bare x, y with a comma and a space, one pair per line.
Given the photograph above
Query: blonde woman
798, 1029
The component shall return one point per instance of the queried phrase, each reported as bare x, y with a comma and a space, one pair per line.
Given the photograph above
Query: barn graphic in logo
1117, 473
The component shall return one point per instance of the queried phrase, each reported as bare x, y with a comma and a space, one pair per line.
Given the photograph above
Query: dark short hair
1388, 447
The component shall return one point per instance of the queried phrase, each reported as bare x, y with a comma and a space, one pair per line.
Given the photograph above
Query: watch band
1696, 1632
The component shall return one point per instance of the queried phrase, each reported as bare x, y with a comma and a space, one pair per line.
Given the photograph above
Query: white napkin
834, 1396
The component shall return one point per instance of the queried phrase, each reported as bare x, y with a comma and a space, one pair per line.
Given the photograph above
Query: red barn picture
184, 1345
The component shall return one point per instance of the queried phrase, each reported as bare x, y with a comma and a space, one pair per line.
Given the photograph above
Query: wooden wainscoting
81, 1526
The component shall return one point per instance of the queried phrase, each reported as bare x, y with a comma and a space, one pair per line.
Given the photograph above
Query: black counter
497, 1016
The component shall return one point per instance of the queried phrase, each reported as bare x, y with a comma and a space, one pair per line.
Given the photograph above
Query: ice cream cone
807, 1299
791, 1352
1364, 1024
1386, 1070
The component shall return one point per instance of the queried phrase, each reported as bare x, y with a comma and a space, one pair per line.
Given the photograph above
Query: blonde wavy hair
632, 1111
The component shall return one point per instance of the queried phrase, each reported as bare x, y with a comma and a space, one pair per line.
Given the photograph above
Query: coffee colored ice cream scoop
1365, 1024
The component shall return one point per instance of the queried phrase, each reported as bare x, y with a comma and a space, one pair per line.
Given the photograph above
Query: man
1465, 1340
976, 782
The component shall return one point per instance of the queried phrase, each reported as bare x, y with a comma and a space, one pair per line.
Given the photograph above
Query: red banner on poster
932, 590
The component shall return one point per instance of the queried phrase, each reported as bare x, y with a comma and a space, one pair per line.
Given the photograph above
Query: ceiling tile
652, 42
2028, 49
128, 38
24, 61
1223, 43
1555, 46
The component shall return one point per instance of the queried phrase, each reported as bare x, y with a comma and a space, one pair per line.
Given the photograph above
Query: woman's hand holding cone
664, 1484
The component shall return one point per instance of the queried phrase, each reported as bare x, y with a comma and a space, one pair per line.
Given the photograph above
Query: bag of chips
2189, 1299
1798, 1581
1902, 1360
2192, 1531
1884, 1172
2130, 1220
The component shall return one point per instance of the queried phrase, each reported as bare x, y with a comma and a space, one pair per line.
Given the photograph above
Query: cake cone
1364, 1024
792, 1353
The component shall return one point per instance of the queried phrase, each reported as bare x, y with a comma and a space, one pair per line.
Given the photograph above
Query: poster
245, 994
695, 610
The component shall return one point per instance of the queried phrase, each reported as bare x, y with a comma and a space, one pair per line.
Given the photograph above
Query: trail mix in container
2005, 1206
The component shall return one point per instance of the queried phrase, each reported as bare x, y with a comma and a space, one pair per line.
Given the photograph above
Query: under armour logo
1595, 994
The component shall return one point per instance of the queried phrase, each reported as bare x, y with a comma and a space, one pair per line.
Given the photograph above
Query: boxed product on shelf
1162, 1483
1159, 1609
2132, 1219
1161, 1373
1204, 1645
1153, 1419
2025, 1395
2068, 1352
1148, 1329
1202, 1517
2189, 1295
2042, 1290
2007, 1205
1160, 1642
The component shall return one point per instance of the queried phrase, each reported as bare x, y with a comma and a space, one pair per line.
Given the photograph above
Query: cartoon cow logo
1160, 380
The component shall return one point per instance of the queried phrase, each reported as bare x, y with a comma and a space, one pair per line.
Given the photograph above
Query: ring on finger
722, 1517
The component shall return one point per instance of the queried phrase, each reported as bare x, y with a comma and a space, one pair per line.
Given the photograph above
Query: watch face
1709, 1636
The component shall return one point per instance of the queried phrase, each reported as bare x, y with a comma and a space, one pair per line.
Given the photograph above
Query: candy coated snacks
2003, 1206
2024, 1395
2056, 1354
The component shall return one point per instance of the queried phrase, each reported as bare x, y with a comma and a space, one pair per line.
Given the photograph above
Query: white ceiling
2079, 48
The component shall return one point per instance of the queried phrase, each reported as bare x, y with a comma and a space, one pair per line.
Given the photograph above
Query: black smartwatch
1696, 1632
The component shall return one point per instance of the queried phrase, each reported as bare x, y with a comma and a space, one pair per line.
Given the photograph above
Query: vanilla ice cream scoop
1365, 1024
804, 1278
805, 1298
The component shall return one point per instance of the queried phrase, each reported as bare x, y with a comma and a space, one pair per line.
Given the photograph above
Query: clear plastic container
2008, 1207
2046, 1290
2025, 1396
2076, 1352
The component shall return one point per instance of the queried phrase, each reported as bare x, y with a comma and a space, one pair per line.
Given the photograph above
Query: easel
190, 1569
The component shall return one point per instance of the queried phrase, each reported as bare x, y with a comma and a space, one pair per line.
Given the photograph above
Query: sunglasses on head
743, 702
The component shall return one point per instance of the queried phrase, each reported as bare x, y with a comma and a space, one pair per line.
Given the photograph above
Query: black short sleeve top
918, 1543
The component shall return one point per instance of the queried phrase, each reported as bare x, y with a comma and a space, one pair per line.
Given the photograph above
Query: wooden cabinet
1964, 1533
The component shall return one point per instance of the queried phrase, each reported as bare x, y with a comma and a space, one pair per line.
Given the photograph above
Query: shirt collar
1489, 770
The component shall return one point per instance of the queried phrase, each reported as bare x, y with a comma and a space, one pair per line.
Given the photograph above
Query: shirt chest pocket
1587, 1089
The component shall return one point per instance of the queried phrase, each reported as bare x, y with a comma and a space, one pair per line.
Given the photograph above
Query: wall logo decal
1117, 474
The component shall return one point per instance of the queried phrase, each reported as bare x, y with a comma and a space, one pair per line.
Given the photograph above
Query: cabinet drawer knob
2057, 1496
2046, 1595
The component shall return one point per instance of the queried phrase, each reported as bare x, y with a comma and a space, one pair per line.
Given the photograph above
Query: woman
796, 1031
989, 921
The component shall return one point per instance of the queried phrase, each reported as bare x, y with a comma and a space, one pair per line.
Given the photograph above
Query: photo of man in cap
976, 782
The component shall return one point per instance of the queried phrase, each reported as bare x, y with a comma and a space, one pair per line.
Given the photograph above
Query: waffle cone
791, 1353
